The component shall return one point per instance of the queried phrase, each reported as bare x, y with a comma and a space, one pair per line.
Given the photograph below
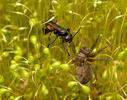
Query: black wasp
83, 67
59, 32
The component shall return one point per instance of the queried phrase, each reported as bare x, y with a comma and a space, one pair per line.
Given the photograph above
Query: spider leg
97, 59
53, 41
94, 54
95, 43
93, 69
85, 44
65, 48
91, 84
84, 50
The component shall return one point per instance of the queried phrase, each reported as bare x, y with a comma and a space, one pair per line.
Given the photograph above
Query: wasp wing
57, 27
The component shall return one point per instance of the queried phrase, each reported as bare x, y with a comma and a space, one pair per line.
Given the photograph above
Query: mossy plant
29, 70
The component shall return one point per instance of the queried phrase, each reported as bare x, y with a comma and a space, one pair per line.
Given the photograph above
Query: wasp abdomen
48, 29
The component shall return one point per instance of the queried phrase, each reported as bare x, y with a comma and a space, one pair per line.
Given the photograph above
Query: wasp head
68, 38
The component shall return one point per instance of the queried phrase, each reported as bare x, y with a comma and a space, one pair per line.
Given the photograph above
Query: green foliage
85, 89
44, 90
105, 75
5, 54
72, 85
1, 79
31, 71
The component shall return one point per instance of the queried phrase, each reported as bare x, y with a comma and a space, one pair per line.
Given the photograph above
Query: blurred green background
31, 71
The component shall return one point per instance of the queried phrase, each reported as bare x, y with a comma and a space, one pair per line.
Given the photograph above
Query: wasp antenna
76, 32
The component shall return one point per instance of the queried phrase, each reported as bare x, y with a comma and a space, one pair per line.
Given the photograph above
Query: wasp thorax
68, 38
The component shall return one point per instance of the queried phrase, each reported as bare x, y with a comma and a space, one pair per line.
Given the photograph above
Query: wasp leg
65, 48
94, 54
53, 41
46, 31
49, 36
73, 47
95, 43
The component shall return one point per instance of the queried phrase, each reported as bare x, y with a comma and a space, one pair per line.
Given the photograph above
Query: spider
83, 67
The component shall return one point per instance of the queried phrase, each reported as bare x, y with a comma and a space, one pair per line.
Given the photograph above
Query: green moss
27, 63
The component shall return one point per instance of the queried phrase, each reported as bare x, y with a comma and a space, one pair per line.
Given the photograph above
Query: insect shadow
59, 32
83, 67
